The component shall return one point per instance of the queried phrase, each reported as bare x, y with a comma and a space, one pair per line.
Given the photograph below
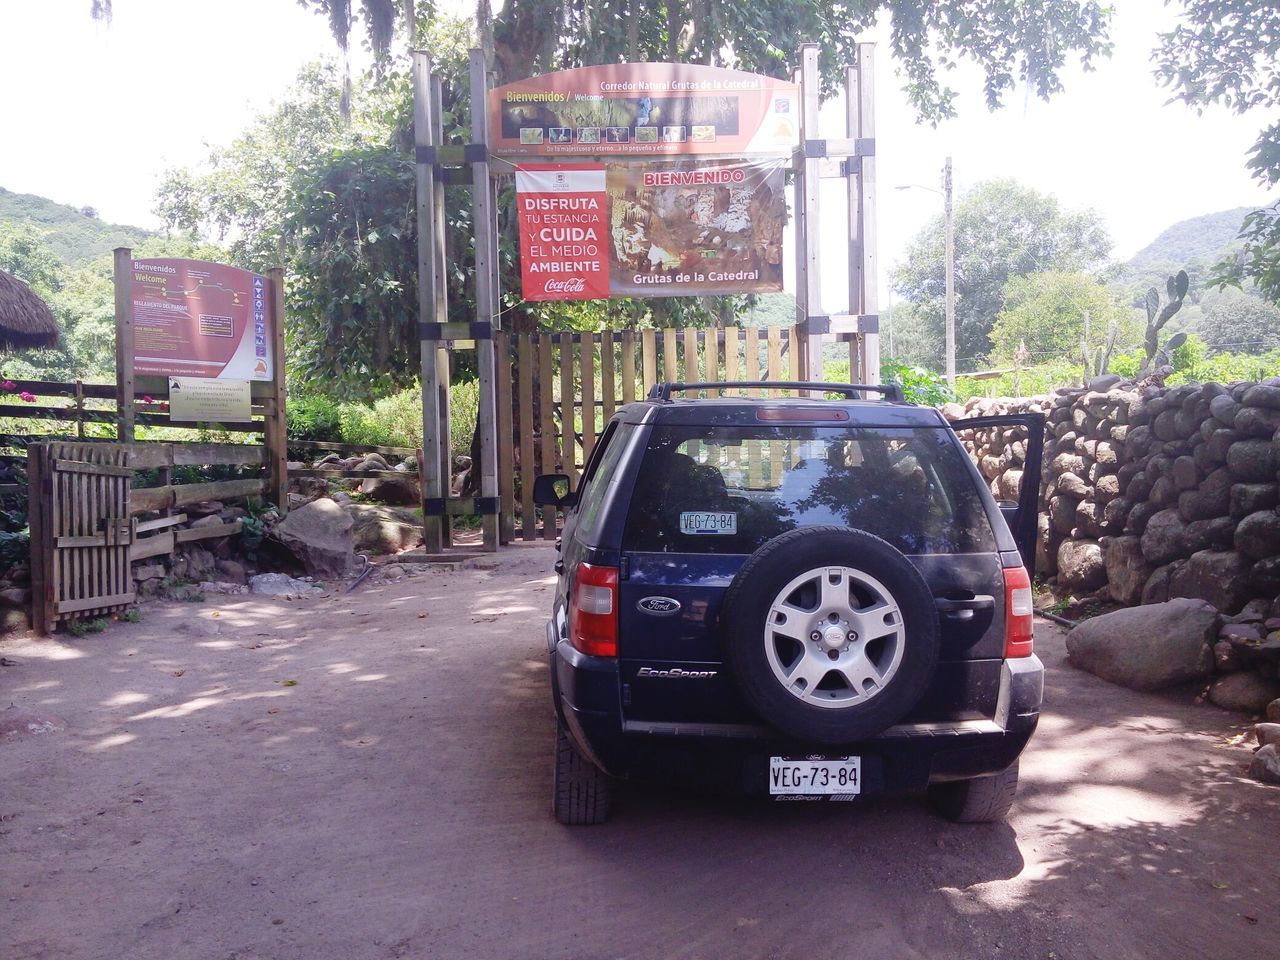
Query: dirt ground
368, 776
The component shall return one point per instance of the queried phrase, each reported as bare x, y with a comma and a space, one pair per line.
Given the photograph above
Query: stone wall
1149, 492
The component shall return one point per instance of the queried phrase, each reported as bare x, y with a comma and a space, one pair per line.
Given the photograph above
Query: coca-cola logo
569, 285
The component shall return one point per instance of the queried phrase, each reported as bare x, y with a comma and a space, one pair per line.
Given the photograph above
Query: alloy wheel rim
834, 637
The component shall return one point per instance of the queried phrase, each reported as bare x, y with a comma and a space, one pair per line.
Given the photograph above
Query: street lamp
949, 258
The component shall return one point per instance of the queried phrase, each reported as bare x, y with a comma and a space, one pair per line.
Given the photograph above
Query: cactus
1156, 355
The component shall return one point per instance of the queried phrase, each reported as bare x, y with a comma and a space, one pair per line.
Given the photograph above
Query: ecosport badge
659, 606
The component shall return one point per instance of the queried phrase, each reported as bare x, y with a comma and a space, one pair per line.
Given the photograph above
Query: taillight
593, 611
1017, 613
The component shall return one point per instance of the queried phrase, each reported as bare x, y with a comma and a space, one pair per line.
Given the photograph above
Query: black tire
746, 611
980, 800
581, 792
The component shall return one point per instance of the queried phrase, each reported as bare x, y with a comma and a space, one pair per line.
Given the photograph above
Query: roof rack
891, 391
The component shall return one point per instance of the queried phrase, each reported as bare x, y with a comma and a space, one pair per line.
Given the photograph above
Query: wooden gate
561, 389
78, 509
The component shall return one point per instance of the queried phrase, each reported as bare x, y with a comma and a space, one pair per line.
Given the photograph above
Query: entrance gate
500, 152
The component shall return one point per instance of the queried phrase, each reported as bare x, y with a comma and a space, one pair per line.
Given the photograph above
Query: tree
1002, 230
1027, 43
1225, 52
1233, 320
1049, 311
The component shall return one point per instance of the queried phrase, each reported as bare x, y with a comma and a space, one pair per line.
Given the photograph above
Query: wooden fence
77, 406
557, 390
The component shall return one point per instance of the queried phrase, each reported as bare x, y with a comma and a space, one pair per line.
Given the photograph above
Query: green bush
393, 421
313, 417
396, 420
918, 384
1230, 368
1031, 381
464, 405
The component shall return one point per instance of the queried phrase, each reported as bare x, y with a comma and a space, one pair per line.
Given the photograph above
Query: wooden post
483, 223
41, 546
275, 433
124, 345
433, 485
864, 295
808, 237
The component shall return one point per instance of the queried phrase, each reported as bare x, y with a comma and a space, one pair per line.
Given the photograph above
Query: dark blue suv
805, 598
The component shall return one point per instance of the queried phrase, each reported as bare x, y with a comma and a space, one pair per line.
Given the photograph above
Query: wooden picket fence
557, 390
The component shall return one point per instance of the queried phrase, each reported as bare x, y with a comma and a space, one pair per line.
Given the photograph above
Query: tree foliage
1025, 43
1002, 230
1233, 320
1227, 52
1048, 312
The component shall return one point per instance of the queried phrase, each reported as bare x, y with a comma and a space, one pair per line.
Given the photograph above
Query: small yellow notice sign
208, 400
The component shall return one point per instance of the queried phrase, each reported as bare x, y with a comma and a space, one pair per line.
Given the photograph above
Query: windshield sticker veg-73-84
709, 523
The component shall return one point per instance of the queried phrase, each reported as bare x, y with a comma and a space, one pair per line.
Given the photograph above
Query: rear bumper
903, 757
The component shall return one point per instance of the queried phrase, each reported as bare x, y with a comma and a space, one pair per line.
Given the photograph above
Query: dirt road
345, 778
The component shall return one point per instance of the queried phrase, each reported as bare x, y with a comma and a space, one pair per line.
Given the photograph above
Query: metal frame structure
851, 158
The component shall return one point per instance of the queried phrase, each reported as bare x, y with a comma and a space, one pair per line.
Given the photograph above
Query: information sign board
209, 401
192, 318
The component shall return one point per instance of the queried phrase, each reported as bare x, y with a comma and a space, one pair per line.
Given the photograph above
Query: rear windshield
729, 489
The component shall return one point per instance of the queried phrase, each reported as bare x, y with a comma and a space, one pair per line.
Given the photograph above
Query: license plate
795, 777
714, 523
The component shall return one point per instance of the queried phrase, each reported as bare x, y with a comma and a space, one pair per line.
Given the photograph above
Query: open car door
1021, 516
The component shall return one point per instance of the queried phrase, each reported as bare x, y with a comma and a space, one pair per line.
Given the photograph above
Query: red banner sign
645, 109
564, 231
197, 319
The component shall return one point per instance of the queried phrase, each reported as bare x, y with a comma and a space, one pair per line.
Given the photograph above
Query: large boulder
1148, 648
1219, 577
1080, 566
319, 536
382, 529
1127, 570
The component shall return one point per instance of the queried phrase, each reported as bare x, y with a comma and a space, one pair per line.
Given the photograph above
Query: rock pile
1150, 493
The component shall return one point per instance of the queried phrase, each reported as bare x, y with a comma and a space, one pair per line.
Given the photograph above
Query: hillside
1199, 238
74, 237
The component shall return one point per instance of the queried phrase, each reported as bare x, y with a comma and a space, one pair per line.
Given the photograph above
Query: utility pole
950, 256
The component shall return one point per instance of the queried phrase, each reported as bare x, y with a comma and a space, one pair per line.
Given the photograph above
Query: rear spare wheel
830, 633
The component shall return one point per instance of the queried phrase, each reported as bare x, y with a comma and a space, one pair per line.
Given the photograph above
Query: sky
95, 114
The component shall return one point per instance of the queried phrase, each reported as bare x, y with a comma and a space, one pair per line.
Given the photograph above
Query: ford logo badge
659, 606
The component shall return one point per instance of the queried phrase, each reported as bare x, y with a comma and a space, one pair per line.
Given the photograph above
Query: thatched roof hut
25, 319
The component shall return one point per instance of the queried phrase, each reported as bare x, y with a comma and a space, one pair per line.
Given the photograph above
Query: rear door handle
559, 567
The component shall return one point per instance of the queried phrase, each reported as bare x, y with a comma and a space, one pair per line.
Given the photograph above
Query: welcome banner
654, 229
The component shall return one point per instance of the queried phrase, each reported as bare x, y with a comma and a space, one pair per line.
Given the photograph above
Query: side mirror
552, 490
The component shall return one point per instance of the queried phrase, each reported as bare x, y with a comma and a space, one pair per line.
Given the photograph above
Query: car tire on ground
581, 792
830, 633
980, 800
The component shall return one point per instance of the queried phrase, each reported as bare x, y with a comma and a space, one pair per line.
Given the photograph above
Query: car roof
736, 410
